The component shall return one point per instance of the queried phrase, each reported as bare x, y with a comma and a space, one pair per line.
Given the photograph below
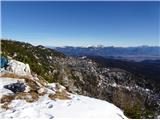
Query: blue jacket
3, 61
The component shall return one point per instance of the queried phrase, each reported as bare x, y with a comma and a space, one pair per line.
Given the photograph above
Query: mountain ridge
141, 52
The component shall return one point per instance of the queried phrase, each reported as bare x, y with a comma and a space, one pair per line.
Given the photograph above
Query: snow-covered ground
78, 107
6, 81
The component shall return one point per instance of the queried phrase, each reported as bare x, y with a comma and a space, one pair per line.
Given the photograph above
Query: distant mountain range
130, 53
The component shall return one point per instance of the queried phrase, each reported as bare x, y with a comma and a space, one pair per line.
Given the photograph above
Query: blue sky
82, 23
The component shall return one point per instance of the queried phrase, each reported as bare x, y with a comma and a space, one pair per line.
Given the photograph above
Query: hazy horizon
96, 45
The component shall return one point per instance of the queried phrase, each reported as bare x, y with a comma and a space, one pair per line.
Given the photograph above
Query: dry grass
5, 106
34, 95
7, 98
32, 84
42, 81
10, 75
29, 97
59, 95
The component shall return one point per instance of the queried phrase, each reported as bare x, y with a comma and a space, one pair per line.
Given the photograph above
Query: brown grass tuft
29, 97
9, 75
12, 75
59, 95
7, 98
5, 106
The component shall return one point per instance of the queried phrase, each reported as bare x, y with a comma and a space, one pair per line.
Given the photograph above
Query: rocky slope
148, 69
24, 96
83, 76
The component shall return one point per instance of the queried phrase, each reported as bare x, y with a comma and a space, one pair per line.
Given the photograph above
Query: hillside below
24, 96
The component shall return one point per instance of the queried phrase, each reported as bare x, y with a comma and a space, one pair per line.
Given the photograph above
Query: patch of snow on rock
19, 68
114, 85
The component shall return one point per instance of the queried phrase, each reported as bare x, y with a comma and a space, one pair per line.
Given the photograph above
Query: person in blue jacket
3, 61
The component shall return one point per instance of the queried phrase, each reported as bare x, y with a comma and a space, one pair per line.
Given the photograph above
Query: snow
50, 57
114, 85
147, 90
84, 57
78, 107
6, 81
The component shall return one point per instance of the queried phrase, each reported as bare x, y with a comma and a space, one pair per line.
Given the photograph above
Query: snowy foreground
72, 107
78, 107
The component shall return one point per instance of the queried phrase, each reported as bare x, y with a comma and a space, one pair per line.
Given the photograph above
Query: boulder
19, 68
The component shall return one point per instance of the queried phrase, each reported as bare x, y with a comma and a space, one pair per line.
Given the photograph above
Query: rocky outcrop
19, 68
16, 68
